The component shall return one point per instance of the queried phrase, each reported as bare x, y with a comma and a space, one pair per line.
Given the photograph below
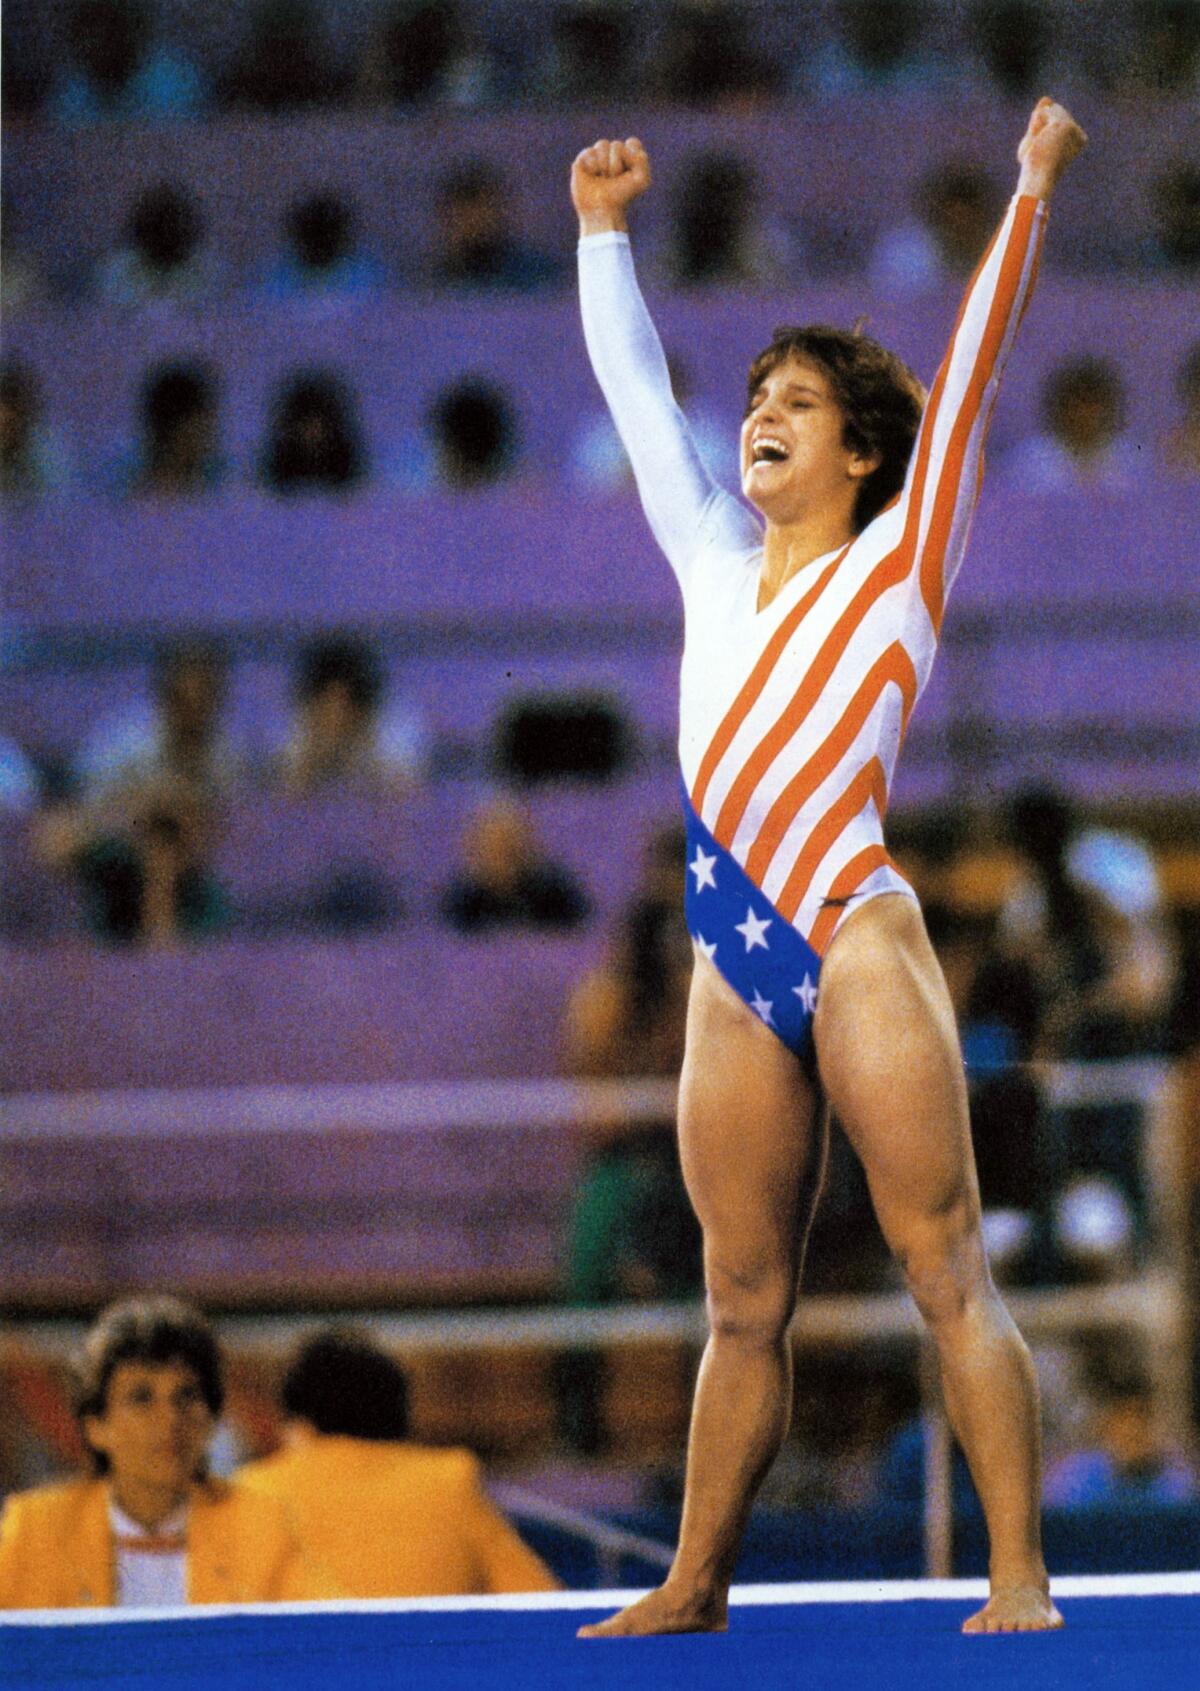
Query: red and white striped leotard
791, 717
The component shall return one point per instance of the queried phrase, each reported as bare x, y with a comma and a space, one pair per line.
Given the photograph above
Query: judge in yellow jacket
376, 1514
149, 1530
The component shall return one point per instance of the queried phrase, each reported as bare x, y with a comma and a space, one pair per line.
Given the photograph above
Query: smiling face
794, 459
154, 1428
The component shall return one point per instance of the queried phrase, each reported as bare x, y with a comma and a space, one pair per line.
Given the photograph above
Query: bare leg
890, 1062
750, 1144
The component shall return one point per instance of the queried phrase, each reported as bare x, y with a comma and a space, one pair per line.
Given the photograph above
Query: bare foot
662, 1611
1016, 1608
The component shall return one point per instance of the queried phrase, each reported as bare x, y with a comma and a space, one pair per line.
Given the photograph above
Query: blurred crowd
94, 60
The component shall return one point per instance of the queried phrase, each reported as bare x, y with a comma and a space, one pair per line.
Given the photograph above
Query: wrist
1038, 183
602, 222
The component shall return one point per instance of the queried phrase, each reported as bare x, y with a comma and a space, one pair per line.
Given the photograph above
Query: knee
748, 1302
945, 1268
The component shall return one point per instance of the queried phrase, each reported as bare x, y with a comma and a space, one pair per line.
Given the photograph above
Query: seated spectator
506, 882
162, 261
34, 462
1081, 443
22, 279
471, 441
956, 209
883, 46
339, 738
379, 1515
322, 260
149, 1529
116, 71
718, 236
314, 443
599, 463
1180, 446
287, 62
178, 454
1126, 1462
138, 839
706, 60
1174, 248
588, 49
475, 245
425, 53
1163, 59
1012, 40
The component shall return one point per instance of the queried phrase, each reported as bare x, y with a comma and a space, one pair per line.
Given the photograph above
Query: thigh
750, 1132
891, 1065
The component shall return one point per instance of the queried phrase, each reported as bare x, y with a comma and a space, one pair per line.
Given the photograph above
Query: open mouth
768, 450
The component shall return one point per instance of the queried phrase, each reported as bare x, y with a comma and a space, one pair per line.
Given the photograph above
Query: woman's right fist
604, 179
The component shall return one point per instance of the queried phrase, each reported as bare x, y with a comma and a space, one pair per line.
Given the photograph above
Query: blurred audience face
314, 438
880, 33
154, 1428
473, 223
957, 203
191, 695
1177, 207
1084, 405
108, 41
18, 411
179, 426
320, 231
474, 432
164, 228
1012, 38
714, 219
499, 846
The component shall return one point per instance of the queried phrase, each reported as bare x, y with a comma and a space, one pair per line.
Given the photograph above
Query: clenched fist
605, 178
1051, 141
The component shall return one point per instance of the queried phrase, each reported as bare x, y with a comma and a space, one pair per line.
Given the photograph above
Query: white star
707, 946
702, 869
754, 927
807, 994
762, 1006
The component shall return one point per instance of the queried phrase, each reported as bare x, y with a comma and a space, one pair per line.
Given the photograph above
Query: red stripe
758, 678
847, 880
894, 665
868, 784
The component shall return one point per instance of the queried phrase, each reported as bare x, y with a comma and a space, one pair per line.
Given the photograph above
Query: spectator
380, 1515
162, 261
599, 463
1180, 447
22, 281
633, 1233
178, 454
1175, 245
338, 738
116, 71
1081, 444
706, 60
883, 47
322, 259
1163, 61
956, 209
475, 438
718, 238
475, 245
506, 881
20, 782
1012, 39
424, 53
315, 443
287, 62
1126, 1462
34, 463
149, 1529
588, 49
138, 840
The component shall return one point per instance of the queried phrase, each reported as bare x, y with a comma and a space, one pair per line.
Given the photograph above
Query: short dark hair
151, 1329
880, 399
342, 1382
344, 659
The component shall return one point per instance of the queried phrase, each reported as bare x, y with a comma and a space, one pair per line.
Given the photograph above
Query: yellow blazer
396, 1520
56, 1549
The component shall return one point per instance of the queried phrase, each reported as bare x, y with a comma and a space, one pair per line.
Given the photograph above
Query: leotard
791, 718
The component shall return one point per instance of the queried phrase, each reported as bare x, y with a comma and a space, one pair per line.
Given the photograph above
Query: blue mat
1111, 1643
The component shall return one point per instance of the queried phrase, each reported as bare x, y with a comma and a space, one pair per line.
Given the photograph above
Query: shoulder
266, 1475
45, 1507
236, 1504
453, 1468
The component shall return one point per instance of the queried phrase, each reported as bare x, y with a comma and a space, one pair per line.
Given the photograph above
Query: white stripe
1069, 1587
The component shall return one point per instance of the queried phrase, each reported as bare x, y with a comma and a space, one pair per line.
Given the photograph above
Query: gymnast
815, 986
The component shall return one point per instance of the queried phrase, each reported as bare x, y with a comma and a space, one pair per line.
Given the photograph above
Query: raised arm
947, 460
625, 351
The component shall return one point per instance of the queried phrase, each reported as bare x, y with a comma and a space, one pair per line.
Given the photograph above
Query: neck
147, 1504
787, 547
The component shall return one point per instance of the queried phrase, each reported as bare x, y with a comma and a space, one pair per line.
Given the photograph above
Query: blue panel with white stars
765, 960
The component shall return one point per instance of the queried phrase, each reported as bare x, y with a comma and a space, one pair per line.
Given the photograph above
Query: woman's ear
863, 464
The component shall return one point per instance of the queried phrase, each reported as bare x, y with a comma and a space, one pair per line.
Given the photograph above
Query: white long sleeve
677, 492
